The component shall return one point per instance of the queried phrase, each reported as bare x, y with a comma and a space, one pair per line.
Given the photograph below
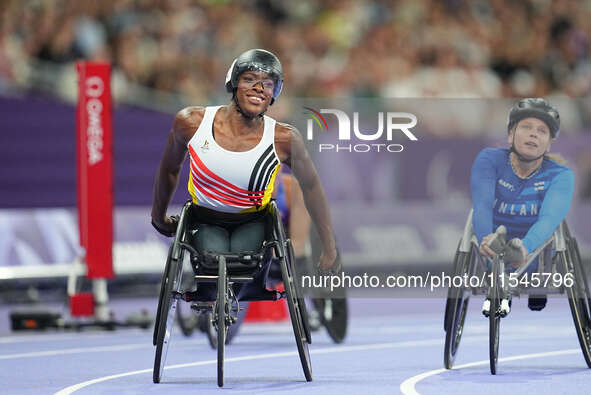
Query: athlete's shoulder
287, 138
284, 132
187, 121
556, 162
495, 153
555, 167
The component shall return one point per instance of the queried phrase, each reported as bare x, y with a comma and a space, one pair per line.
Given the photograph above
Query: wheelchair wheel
221, 307
334, 316
299, 295
333, 312
450, 292
161, 296
297, 310
494, 319
456, 309
579, 297
166, 313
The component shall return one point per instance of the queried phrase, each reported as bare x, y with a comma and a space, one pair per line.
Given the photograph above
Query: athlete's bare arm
292, 151
185, 124
299, 220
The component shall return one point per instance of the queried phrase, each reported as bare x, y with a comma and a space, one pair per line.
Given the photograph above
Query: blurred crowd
332, 48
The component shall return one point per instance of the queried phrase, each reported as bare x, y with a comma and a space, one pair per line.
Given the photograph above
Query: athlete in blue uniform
522, 188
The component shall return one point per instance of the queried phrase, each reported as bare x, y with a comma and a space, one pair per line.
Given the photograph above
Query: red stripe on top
201, 165
219, 199
212, 184
202, 185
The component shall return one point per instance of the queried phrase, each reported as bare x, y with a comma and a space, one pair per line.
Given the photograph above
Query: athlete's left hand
329, 262
515, 253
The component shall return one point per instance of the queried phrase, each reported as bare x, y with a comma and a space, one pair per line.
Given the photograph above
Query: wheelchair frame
229, 268
467, 261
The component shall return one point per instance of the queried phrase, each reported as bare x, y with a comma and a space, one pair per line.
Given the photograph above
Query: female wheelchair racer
525, 195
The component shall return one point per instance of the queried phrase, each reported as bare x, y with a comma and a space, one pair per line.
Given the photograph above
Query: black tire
161, 296
334, 316
494, 319
167, 313
450, 291
579, 298
221, 305
456, 309
291, 262
334, 312
296, 312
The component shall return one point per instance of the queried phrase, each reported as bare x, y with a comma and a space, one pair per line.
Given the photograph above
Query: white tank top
229, 181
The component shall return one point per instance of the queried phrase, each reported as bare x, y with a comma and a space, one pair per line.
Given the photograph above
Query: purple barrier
37, 153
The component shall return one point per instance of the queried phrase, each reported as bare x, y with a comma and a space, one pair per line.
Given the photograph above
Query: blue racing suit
530, 208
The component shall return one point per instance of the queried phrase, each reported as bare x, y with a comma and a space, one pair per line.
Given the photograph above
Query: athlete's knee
211, 238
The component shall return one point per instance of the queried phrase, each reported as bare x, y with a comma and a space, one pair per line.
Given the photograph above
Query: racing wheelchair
325, 309
222, 281
558, 256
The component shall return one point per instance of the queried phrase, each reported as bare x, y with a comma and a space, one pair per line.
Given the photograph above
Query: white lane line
378, 346
408, 386
80, 350
36, 337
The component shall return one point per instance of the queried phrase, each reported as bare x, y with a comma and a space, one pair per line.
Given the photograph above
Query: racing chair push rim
225, 307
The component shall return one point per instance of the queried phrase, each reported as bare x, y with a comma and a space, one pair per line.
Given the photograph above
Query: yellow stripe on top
268, 193
192, 189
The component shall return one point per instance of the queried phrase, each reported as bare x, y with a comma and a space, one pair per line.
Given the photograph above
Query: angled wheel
297, 310
333, 312
494, 319
450, 291
166, 313
161, 296
291, 262
456, 308
221, 312
579, 297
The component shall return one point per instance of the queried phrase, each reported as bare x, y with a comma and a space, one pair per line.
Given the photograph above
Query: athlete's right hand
168, 228
494, 243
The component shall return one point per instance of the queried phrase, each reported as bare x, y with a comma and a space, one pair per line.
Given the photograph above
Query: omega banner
95, 167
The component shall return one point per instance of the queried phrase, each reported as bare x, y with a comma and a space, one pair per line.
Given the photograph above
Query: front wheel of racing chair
202, 321
494, 316
169, 295
579, 297
221, 316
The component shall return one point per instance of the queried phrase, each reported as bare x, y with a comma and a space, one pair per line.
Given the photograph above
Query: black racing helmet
256, 60
536, 108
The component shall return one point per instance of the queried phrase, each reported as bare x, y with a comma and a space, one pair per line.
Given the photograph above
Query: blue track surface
391, 342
